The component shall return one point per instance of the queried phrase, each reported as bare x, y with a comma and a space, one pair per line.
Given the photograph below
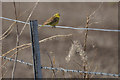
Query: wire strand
62, 69
92, 29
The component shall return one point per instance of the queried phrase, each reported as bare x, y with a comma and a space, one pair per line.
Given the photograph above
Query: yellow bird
53, 21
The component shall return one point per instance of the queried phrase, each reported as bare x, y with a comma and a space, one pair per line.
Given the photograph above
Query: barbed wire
62, 69
20, 61
94, 29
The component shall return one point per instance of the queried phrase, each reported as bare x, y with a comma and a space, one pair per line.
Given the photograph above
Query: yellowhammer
53, 21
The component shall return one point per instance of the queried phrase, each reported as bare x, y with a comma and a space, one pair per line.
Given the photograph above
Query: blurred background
102, 48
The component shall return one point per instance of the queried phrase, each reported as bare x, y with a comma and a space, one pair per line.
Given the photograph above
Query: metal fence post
35, 49
0, 40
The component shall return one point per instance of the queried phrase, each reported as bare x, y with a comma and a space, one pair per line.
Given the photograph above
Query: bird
53, 21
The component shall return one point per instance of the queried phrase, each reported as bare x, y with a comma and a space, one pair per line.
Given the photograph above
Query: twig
87, 24
24, 46
86, 33
29, 44
4, 73
51, 64
28, 18
9, 30
96, 10
12, 56
85, 40
17, 44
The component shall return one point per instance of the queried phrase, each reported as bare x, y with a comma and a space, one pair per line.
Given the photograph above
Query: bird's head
57, 15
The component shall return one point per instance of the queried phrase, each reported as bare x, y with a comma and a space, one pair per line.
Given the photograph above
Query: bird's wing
49, 21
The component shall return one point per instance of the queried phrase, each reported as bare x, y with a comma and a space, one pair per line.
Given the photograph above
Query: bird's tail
42, 25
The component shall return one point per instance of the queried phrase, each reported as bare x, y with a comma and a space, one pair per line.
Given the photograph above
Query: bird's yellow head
57, 15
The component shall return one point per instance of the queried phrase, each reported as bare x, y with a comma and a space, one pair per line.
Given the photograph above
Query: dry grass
24, 46
77, 52
77, 49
